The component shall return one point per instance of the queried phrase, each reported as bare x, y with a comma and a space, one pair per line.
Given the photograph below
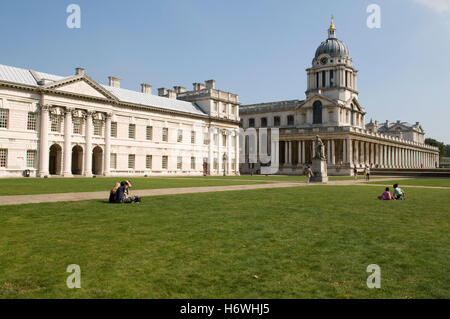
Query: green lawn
27, 186
304, 242
442, 182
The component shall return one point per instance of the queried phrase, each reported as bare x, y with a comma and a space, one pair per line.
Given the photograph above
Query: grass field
441, 182
304, 242
27, 186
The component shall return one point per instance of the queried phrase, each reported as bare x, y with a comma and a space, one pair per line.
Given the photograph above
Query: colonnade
360, 153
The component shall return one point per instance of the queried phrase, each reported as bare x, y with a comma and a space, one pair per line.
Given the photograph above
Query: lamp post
224, 163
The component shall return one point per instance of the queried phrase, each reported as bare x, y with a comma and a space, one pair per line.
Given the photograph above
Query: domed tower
332, 74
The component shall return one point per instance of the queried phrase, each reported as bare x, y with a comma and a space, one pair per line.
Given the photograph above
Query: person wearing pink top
386, 195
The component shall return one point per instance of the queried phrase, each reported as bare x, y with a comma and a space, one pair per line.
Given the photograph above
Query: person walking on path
355, 172
367, 173
308, 173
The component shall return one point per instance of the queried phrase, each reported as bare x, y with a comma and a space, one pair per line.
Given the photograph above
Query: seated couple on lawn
399, 194
121, 194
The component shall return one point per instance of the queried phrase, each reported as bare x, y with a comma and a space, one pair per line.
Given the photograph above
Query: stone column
313, 148
328, 152
290, 153
236, 151
350, 156
356, 158
220, 152
107, 152
303, 152
367, 157
210, 150
229, 159
333, 152
43, 141
372, 153
88, 148
286, 153
67, 142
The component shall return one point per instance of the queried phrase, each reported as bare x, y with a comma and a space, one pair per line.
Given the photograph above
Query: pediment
81, 85
317, 97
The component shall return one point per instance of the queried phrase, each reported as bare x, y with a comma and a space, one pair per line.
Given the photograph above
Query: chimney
417, 123
114, 82
388, 123
210, 84
79, 71
162, 92
171, 94
198, 86
179, 89
146, 88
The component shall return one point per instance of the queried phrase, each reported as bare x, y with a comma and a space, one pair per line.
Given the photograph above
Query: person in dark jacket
112, 193
120, 193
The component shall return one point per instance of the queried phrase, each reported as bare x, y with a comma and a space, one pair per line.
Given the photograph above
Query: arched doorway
54, 165
97, 160
77, 160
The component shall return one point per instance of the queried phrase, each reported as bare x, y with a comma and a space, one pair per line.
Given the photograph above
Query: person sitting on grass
112, 193
399, 193
126, 193
386, 195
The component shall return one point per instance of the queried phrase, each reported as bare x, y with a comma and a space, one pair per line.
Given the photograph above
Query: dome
334, 48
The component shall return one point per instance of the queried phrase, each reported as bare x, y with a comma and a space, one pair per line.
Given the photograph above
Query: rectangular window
192, 137
346, 78
148, 161
331, 78
224, 140
233, 109
113, 129
113, 161
216, 164
264, 122
224, 108
215, 106
192, 162
55, 123
180, 136
317, 80
233, 141
165, 134
3, 157
206, 138
179, 162
290, 120
131, 160
149, 133
31, 158
4, 115
98, 125
323, 78
132, 131
164, 162
76, 125
276, 121
251, 122
31, 121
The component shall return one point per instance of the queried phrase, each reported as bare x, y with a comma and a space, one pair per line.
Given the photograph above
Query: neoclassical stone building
67, 126
332, 111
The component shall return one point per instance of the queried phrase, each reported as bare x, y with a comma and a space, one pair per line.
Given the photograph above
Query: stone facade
74, 126
332, 111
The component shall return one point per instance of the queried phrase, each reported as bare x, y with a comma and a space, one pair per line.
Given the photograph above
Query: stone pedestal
319, 168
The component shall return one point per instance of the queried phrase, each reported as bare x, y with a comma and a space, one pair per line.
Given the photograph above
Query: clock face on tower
324, 60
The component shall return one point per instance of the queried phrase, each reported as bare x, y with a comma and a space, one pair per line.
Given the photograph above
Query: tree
447, 147
440, 145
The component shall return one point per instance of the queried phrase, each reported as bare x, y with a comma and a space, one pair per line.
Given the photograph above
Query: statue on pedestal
320, 149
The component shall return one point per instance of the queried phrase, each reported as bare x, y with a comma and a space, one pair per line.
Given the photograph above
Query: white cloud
440, 6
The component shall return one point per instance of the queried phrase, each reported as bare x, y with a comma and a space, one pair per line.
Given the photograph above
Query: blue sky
258, 49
